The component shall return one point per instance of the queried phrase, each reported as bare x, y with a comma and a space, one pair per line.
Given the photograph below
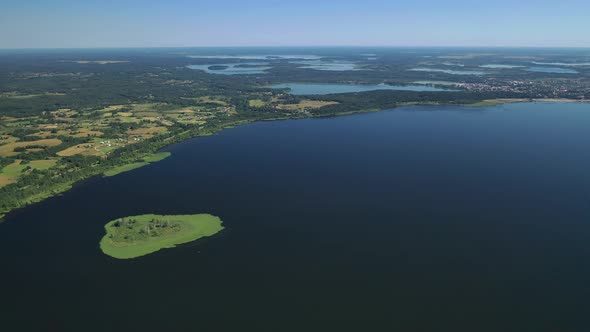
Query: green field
14, 169
157, 157
146, 161
42, 164
256, 103
10, 173
136, 236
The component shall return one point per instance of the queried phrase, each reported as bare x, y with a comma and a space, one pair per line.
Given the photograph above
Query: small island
136, 236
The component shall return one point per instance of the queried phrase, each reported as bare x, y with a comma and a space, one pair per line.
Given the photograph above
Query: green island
136, 236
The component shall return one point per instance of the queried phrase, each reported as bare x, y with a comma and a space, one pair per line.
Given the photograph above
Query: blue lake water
234, 68
322, 89
555, 70
258, 57
327, 65
449, 71
567, 64
415, 219
500, 66
453, 64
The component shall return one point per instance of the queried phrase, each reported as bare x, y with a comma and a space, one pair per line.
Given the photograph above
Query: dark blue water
233, 69
416, 219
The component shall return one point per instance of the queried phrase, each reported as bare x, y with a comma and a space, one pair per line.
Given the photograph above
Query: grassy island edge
197, 226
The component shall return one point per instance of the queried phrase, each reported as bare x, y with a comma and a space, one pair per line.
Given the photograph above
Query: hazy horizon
306, 23
474, 47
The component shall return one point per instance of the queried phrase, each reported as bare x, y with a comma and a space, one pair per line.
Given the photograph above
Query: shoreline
66, 186
499, 101
562, 100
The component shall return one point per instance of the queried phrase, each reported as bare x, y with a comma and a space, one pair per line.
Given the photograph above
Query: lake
449, 71
567, 64
500, 66
324, 88
233, 68
267, 57
554, 70
414, 219
328, 65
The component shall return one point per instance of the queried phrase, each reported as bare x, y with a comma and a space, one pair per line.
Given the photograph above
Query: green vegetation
42, 164
144, 162
10, 173
136, 236
494, 102
14, 169
256, 103
156, 157
124, 168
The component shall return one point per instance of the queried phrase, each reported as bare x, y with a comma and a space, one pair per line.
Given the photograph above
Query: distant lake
258, 57
414, 219
233, 68
449, 71
453, 64
322, 89
555, 70
573, 64
499, 66
327, 65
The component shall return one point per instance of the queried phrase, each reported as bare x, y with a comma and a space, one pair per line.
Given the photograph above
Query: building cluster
552, 88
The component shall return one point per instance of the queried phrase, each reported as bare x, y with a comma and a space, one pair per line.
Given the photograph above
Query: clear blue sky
138, 23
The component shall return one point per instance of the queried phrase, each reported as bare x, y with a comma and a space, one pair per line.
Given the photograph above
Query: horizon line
294, 46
